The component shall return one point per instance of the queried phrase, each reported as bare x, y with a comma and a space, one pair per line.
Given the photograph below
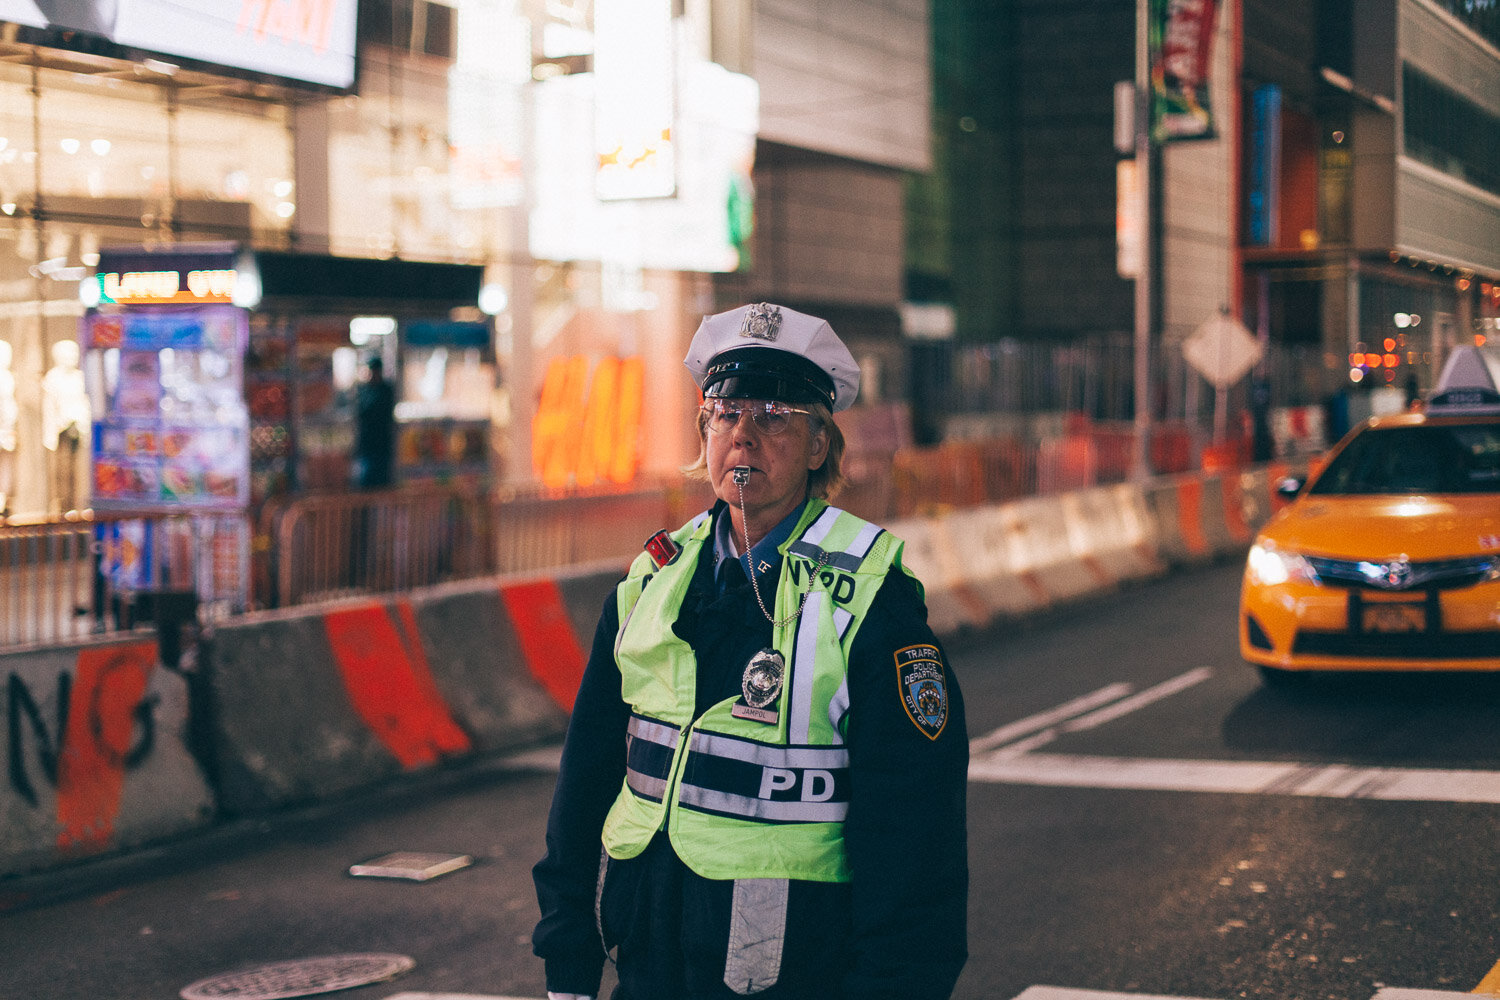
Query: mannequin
9, 413
66, 420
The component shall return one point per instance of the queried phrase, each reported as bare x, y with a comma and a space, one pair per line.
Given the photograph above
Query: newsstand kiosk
163, 350
223, 381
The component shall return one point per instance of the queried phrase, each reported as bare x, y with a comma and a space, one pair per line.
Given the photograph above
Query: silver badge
762, 321
761, 685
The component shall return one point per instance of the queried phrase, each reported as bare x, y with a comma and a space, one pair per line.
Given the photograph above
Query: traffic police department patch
924, 688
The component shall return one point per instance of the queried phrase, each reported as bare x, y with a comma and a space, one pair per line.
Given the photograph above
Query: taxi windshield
1457, 458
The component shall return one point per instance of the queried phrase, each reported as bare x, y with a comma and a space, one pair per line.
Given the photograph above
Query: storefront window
102, 139
234, 163
391, 161
91, 161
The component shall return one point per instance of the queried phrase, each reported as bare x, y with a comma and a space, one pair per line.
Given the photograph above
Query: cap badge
762, 321
760, 686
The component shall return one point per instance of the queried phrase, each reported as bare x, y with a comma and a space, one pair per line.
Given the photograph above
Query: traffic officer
762, 788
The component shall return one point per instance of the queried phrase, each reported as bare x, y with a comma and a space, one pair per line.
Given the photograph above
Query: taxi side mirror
1289, 487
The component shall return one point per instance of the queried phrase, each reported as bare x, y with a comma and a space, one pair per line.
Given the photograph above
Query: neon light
587, 429
168, 286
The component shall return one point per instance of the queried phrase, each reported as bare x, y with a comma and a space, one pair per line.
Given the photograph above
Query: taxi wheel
1284, 679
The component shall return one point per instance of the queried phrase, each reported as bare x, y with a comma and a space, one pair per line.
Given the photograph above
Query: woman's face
779, 464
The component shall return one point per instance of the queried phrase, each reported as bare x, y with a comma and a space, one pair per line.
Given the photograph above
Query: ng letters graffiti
24, 715
102, 724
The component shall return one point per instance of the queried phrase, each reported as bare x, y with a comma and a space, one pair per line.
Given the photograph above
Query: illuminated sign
587, 430
308, 40
1182, 34
704, 227
634, 102
486, 109
137, 287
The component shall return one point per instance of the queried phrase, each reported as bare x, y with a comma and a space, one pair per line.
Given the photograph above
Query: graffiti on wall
101, 726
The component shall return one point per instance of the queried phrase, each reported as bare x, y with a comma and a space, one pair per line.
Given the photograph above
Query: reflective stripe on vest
649, 749
809, 635
794, 784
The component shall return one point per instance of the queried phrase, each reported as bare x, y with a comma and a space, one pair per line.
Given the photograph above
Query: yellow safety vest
742, 798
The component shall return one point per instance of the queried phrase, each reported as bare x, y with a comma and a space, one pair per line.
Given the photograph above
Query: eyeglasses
722, 416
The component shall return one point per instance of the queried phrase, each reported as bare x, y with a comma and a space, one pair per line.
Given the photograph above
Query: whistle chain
754, 576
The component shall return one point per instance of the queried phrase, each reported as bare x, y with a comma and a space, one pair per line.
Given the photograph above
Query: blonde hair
825, 481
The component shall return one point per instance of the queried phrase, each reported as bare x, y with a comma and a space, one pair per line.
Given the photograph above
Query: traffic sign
1222, 350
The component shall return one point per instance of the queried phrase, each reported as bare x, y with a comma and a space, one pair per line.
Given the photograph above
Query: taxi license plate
1393, 618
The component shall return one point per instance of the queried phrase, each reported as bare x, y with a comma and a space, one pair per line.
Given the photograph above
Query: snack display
175, 429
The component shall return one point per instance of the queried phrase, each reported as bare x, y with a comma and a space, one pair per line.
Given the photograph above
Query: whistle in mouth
741, 474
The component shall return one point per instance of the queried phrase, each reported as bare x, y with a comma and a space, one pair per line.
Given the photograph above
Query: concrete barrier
98, 755
1111, 530
962, 591
988, 563
309, 704
318, 703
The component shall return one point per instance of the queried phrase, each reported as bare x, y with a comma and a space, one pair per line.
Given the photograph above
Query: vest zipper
684, 739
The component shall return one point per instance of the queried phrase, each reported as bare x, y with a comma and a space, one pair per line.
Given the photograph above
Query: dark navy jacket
897, 930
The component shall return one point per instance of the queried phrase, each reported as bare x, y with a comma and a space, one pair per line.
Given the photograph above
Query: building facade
1341, 204
616, 168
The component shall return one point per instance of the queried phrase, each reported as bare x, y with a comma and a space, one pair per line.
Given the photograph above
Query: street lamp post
1141, 467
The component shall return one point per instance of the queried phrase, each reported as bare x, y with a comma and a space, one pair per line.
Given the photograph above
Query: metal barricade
546, 530
340, 545
67, 580
48, 583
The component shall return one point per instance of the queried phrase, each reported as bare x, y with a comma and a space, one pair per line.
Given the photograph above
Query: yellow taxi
1389, 556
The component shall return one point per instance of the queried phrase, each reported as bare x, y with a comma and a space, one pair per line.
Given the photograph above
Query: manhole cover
299, 978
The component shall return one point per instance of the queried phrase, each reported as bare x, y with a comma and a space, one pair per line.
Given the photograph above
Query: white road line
1031, 993
1033, 723
1239, 777
1108, 713
1007, 756
1063, 993
1152, 694
542, 759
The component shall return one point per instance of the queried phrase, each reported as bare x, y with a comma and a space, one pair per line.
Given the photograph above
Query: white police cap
765, 351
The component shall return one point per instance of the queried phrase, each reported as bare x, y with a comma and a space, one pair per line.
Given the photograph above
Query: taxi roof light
1470, 383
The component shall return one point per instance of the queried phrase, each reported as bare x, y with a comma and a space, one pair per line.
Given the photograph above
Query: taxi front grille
1399, 575
1400, 645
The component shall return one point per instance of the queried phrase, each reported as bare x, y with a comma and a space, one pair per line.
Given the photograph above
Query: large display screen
704, 226
307, 40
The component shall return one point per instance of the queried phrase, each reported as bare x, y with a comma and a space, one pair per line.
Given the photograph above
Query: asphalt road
1145, 819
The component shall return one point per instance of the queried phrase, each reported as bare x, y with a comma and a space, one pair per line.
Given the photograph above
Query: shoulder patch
923, 683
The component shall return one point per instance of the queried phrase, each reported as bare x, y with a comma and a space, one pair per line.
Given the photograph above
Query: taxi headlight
1271, 566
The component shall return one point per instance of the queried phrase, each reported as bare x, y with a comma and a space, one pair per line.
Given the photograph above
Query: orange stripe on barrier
1035, 587
1190, 515
552, 652
1234, 507
388, 681
106, 697
975, 610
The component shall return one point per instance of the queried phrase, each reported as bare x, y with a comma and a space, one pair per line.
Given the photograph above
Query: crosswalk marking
1010, 755
1030, 993
1241, 777
1063, 993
